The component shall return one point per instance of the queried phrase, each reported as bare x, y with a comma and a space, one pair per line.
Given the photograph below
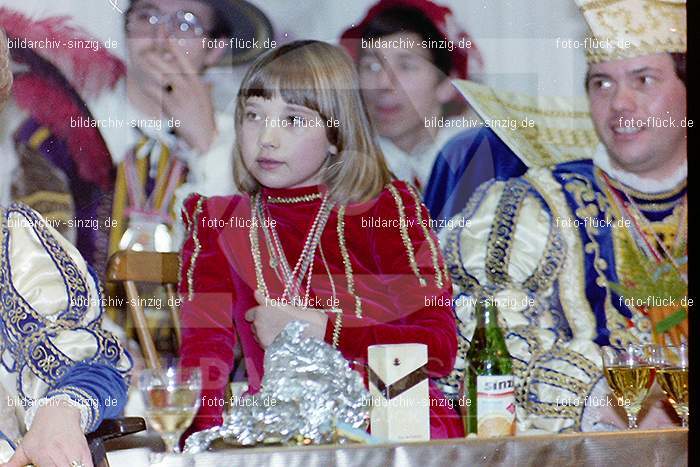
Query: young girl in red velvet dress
322, 234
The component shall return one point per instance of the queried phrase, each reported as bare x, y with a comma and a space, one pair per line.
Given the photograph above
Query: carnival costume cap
440, 16
633, 28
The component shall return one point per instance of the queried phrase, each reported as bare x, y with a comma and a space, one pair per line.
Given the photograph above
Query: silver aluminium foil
307, 388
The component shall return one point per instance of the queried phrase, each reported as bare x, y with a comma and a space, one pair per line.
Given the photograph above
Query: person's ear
446, 91
215, 54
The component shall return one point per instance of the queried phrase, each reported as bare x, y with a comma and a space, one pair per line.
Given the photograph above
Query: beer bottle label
495, 405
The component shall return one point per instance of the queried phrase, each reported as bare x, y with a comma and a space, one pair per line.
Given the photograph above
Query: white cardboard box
400, 407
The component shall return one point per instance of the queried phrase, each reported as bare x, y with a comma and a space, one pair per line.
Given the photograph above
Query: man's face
400, 86
148, 43
637, 106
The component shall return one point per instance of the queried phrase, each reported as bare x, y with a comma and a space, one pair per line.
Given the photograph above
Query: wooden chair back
131, 267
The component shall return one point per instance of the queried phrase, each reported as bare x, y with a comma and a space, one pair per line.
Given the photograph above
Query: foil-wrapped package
307, 389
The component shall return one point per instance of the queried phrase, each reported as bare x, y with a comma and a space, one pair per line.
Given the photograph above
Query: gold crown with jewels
633, 28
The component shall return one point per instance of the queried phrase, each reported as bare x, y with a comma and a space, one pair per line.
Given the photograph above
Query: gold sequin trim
346, 261
188, 220
404, 235
431, 244
188, 226
295, 199
337, 327
197, 248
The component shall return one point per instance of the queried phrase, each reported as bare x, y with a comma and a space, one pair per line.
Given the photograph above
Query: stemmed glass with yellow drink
171, 396
672, 375
630, 372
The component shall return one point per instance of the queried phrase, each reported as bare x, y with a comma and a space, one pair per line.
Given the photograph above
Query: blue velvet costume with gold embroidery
546, 246
616, 323
51, 341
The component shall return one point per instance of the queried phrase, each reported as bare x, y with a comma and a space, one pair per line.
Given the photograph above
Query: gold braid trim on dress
188, 219
197, 248
404, 235
346, 262
337, 327
428, 237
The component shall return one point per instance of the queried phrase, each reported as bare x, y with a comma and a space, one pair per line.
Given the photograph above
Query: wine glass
672, 375
629, 371
171, 397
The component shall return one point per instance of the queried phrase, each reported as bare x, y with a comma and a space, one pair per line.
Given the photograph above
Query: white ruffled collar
601, 158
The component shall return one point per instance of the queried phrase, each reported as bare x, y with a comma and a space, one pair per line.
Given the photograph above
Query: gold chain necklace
305, 262
295, 199
311, 243
255, 248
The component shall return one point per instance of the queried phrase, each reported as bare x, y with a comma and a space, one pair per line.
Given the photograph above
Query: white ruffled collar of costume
601, 158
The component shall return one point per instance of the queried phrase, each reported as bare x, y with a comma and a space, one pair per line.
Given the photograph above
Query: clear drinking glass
629, 371
672, 375
171, 397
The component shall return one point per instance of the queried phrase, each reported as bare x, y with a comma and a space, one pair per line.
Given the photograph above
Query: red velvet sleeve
396, 307
206, 288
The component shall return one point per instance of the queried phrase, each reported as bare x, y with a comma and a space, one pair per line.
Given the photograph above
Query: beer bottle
488, 378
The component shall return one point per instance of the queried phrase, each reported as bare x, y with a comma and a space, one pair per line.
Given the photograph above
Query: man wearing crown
590, 252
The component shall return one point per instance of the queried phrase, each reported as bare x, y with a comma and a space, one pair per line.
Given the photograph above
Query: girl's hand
268, 321
55, 439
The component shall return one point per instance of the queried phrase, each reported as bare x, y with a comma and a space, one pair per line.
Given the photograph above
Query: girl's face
283, 145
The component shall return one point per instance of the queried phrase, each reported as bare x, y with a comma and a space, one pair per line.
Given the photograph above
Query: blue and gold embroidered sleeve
51, 337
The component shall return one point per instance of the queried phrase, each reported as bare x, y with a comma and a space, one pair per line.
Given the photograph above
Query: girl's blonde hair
321, 77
